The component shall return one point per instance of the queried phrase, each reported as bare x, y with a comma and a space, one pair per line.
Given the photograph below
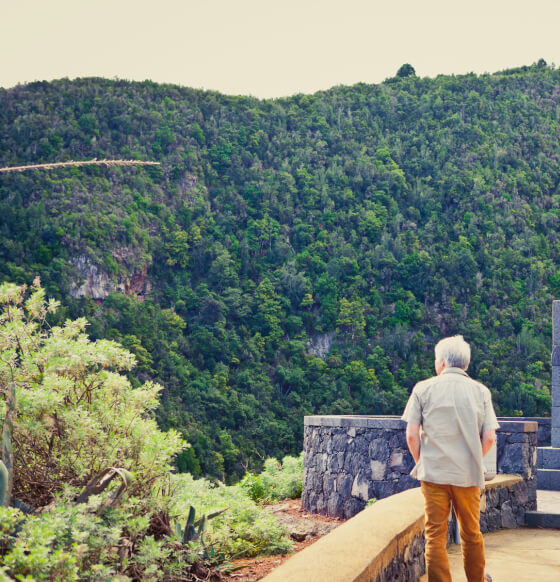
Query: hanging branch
94, 162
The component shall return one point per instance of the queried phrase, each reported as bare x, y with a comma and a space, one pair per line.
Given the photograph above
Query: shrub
244, 529
76, 414
278, 480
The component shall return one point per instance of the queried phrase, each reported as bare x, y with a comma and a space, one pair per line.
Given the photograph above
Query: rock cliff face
93, 280
320, 345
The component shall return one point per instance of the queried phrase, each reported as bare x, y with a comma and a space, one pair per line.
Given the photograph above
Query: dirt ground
306, 528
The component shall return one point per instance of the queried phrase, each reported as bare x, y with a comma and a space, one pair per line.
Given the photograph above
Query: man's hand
413, 440
488, 437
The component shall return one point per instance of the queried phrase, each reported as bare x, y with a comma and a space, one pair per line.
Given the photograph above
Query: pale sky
270, 48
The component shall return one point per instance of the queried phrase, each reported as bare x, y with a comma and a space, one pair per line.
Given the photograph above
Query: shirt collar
453, 370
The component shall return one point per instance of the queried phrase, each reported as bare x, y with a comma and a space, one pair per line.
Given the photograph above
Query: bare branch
94, 162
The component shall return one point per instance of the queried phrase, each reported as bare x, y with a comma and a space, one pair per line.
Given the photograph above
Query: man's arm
413, 440
488, 437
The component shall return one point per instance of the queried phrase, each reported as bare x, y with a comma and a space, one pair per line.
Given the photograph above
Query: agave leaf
190, 534
4, 479
215, 514
190, 518
202, 528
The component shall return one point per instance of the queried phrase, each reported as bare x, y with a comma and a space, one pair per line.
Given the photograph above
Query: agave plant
194, 530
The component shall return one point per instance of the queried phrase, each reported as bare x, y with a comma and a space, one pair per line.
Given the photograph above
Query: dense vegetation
87, 490
367, 221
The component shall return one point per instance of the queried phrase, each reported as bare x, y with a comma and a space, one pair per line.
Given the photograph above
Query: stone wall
351, 459
408, 565
517, 453
544, 430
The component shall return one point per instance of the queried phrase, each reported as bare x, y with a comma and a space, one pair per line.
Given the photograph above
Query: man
451, 426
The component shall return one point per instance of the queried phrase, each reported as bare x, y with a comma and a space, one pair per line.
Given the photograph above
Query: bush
76, 413
278, 480
244, 529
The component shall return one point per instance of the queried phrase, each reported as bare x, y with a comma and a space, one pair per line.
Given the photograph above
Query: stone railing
385, 541
351, 459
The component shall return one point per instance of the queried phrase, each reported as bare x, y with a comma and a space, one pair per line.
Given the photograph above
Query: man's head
452, 352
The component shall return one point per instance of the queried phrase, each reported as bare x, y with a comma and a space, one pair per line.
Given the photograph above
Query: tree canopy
293, 256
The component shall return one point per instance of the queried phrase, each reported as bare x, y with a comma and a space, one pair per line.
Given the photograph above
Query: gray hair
454, 351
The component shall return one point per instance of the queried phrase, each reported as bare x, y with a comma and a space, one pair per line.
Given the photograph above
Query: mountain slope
359, 224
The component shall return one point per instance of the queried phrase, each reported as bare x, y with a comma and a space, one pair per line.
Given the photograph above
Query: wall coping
362, 547
395, 422
356, 421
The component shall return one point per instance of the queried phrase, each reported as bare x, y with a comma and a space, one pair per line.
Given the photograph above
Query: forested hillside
298, 255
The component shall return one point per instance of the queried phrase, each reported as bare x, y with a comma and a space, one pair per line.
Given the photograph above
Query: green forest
293, 256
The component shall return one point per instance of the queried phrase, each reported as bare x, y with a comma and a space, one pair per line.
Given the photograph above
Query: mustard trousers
466, 502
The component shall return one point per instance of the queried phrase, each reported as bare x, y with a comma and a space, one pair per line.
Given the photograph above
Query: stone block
384, 489
378, 469
328, 484
511, 460
360, 487
555, 438
397, 440
339, 442
549, 458
352, 506
542, 520
491, 498
406, 482
555, 418
507, 516
321, 505
344, 483
521, 493
493, 519
556, 322
517, 426
390, 423
379, 449
335, 505
354, 421
555, 379
311, 421
549, 479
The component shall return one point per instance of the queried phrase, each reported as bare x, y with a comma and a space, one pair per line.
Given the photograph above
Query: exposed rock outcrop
93, 281
319, 345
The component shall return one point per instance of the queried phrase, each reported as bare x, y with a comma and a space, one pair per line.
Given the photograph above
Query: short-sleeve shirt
453, 411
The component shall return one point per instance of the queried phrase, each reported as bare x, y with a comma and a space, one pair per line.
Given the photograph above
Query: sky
270, 48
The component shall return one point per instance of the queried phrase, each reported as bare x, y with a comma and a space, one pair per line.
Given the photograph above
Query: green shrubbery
76, 416
277, 481
244, 529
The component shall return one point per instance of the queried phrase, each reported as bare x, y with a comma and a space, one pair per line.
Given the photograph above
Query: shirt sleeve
413, 411
490, 421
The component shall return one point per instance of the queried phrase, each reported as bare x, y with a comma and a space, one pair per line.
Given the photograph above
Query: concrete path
515, 555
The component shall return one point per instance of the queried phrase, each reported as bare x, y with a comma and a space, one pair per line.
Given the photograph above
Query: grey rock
344, 485
379, 449
508, 518
334, 505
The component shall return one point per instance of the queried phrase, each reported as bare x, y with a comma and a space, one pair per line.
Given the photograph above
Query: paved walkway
518, 555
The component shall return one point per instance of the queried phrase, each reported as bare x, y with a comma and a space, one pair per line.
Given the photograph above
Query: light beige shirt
453, 411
